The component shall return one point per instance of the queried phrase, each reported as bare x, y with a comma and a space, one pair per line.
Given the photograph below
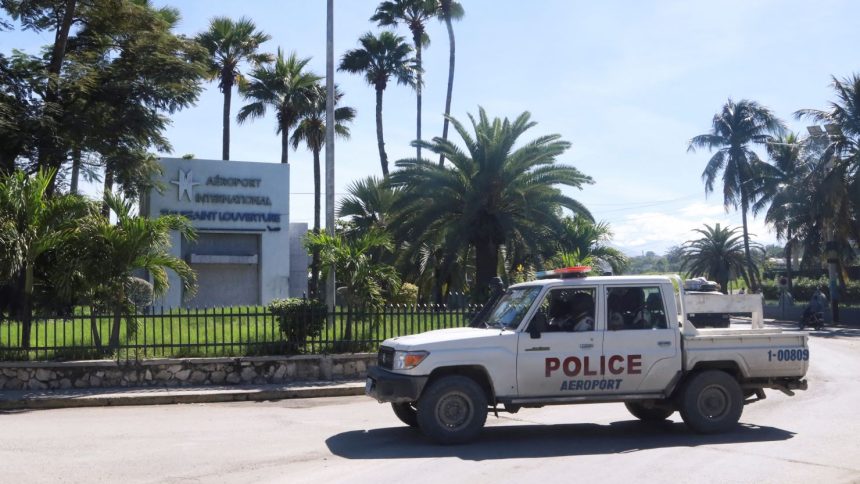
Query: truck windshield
513, 305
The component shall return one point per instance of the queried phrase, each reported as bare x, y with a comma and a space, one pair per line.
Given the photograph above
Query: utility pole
329, 150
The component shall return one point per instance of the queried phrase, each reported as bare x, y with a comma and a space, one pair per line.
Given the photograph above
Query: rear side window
635, 308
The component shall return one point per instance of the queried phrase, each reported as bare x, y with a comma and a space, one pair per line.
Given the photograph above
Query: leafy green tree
286, 87
311, 131
717, 255
733, 132
122, 69
414, 14
362, 280
229, 44
110, 253
31, 225
492, 193
379, 59
449, 10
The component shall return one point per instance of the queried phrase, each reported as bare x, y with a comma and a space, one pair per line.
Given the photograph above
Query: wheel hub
454, 411
713, 402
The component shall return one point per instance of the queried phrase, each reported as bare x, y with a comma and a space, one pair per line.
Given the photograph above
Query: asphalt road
812, 436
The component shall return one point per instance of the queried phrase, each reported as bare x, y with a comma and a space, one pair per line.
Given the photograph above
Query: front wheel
649, 414
406, 412
452, 410
711, 402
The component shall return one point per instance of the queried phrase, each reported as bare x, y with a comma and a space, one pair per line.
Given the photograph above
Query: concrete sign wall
228, 202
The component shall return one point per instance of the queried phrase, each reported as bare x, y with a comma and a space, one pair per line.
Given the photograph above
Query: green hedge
300, 319
803, 288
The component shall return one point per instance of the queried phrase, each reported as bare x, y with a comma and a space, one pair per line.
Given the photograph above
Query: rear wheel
452, 410
711, 402
406, 412
649, 414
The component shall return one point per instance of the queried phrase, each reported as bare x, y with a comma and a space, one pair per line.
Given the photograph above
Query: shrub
408, 294
803, 288
300, 319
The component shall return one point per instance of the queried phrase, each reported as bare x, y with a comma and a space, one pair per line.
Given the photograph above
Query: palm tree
449, 10
287, 88
734, 129
380, 59
110, 253
588, 239
492, 193
31, 225
779, 186
370, 203
717, 255
362, 279
229, 44
311, 132
414, 14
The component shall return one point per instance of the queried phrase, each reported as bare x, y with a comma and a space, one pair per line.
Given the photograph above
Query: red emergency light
564, 272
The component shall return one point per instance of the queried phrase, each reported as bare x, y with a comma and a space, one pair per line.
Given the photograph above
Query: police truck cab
569, 338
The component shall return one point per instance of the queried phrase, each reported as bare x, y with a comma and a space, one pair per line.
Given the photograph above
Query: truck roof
575, 281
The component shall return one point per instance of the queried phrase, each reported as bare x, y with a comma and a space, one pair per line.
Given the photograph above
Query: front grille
385, 358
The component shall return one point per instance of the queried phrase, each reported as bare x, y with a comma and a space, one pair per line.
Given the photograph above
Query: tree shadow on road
538, 441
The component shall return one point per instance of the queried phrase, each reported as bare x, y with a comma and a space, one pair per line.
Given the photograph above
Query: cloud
658, 230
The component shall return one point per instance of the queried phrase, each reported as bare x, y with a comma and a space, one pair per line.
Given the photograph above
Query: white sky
627, 82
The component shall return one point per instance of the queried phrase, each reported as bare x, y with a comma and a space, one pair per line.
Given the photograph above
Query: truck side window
635, 308
569, 309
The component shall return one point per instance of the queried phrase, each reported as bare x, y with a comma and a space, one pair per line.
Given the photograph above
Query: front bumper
386, 386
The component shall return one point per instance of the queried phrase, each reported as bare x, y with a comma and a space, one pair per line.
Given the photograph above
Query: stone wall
182, 372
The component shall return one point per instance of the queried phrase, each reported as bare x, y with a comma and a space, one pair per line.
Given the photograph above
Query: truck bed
758, 353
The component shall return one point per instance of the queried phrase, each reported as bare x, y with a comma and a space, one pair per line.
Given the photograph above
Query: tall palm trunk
315, 261
417, 39
114, 334
225, 117
750, 269
451, 57
76, 170
285, 145
383, 158
107, 188
788, 247
486, 262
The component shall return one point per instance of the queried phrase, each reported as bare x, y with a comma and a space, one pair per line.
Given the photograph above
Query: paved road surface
812, 437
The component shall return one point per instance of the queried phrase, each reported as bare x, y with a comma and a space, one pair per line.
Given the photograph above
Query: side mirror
537, 325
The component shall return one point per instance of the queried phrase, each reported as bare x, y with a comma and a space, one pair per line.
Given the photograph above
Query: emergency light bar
564, 272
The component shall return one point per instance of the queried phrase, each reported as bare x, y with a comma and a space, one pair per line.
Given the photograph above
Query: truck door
640, 348
561, 346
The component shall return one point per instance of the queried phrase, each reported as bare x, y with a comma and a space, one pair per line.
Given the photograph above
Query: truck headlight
406, 360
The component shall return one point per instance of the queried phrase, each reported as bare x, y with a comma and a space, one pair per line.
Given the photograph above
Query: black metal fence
235, 331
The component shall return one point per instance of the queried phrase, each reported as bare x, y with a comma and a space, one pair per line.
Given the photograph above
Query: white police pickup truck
567, 338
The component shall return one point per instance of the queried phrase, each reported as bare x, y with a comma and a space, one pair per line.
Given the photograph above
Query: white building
246, 251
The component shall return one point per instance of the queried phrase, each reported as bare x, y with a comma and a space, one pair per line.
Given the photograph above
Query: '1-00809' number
788, 355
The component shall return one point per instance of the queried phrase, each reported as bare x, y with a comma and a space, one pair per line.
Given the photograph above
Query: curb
167, 396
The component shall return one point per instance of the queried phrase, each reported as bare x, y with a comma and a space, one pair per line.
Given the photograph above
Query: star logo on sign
185, 184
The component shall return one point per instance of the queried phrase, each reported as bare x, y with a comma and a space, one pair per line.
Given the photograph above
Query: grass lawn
235, 331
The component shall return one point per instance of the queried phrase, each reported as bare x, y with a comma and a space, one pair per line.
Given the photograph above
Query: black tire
452, 410
711, 402
406, 412
646, 414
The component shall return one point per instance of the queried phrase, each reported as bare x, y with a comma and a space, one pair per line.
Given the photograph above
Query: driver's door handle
664, 343
586, 345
